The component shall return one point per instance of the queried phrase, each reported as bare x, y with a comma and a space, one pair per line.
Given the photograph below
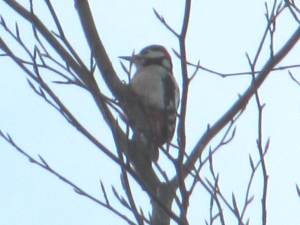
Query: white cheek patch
155, 54
158, 54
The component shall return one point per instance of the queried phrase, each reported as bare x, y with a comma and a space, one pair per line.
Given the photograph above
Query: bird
158, 95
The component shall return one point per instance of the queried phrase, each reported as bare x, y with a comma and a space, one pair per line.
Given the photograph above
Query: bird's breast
148, 84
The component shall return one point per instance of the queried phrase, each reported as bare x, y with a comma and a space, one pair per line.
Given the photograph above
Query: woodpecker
156, 89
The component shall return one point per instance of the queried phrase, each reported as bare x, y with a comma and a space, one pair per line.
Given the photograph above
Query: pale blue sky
220, 33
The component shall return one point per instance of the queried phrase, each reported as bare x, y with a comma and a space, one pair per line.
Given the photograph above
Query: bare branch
298, 190
181, 123
60, 106
294, 79
261, 151
98, 50
44, 165
242, 101
163, 21
126, 186
233, 74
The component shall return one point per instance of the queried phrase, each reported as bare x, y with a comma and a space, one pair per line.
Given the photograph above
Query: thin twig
242, 101
44, 165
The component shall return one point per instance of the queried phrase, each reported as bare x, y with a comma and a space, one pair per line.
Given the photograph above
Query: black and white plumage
158, 92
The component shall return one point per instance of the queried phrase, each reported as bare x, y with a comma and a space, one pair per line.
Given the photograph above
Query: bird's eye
144, 52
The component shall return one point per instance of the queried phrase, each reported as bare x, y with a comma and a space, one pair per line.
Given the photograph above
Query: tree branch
44, 165
241, 102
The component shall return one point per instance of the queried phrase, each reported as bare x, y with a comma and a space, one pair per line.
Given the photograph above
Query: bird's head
151, 55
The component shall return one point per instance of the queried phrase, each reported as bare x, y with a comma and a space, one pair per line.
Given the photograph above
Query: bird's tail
145, 147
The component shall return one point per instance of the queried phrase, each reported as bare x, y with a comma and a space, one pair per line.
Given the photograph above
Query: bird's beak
133, 58
128, 58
